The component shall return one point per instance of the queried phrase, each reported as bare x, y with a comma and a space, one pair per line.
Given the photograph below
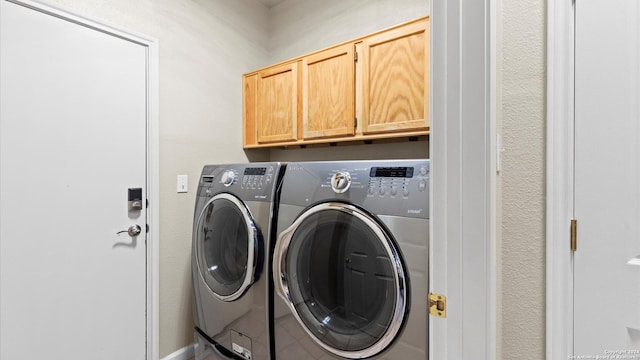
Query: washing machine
350, 262
235, 207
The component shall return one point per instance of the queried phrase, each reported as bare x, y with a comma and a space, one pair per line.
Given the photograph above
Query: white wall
205, 46
521, 203
297, 27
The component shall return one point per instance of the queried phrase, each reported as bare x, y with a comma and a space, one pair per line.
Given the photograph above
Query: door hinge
355, 56
355, 122
574, 235
438, 305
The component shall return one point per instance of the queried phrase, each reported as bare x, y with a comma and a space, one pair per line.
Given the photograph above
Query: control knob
340, 182
227, 178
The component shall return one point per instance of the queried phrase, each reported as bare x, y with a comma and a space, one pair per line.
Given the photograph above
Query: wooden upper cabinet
277, 104
328, 93
372, 87
395, 79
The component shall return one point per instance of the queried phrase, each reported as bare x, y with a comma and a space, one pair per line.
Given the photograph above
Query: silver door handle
133, 230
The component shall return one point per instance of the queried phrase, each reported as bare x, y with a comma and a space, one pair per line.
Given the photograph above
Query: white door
607, 179
73, 119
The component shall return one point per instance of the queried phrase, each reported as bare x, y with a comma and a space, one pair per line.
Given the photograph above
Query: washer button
394, 191
422, 186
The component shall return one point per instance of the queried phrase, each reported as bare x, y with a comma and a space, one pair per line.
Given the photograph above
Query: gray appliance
235, 206
350, 263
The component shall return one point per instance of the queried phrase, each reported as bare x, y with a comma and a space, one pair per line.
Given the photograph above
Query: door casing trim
559, 178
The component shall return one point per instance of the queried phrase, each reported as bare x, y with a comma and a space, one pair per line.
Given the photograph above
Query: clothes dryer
235, 207
350, 263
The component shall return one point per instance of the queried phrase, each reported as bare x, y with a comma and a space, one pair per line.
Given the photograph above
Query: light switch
183, 183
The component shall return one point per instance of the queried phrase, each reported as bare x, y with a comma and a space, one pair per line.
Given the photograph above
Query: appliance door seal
341, 273
227, 245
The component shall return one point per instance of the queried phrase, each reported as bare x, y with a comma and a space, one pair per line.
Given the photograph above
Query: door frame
464, 171
560, 176
152, 156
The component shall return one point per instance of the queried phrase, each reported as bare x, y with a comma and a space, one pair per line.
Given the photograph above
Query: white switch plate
183, 183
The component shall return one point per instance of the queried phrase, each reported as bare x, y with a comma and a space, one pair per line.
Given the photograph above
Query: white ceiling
270, 3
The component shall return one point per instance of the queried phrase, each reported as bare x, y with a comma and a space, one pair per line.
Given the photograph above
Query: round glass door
227, 242
342, 276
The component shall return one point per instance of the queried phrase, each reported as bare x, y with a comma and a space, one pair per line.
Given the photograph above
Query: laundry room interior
206, 46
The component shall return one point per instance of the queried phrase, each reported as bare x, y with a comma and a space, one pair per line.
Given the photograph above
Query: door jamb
560, 170
152, 158
463, 251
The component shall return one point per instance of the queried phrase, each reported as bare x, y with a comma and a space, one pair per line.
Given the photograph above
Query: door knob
133, 230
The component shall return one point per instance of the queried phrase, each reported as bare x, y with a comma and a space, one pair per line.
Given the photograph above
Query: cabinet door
278, 104
395, 83
249, 109
328, 93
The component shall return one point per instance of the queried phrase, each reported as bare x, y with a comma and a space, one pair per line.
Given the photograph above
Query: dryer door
342, 276
227, 244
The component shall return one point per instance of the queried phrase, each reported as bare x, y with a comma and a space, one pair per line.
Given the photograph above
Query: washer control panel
390, 187
390, 181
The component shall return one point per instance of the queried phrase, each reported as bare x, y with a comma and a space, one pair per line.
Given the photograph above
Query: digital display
207, 179
393, 172
255, 171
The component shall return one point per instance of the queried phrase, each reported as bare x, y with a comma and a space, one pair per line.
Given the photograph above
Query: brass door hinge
438, 305
574, 235
355, 122
355, 56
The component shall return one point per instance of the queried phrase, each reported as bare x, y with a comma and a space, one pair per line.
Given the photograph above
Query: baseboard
186, 353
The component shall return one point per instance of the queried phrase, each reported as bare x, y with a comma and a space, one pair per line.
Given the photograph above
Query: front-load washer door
342, 276
227, 242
